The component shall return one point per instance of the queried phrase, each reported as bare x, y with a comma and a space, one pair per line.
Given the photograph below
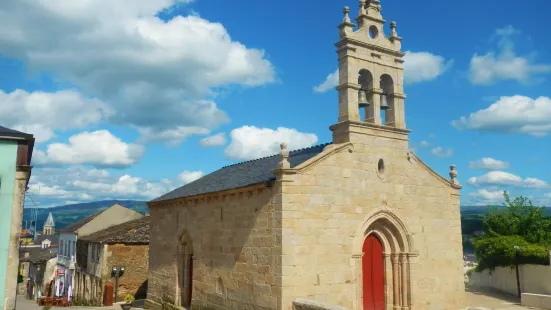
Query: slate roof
54, 239
241, 174
75, 226
10, 133
40, 255
131, 232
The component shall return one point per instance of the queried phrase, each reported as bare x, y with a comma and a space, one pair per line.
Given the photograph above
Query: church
360, 222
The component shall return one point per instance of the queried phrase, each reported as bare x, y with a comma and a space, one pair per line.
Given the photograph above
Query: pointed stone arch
398, 247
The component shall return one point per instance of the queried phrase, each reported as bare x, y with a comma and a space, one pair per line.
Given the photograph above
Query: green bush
499, 251
520, 224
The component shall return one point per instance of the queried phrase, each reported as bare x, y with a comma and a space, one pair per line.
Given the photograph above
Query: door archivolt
390, 230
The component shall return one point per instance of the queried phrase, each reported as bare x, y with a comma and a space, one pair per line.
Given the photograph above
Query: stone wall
326, 204
534, 279
235, 241
135, 260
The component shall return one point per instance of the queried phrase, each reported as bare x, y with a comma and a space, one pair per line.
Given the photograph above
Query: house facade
125, 245
15, 157
360, 223
67, 254
40, 265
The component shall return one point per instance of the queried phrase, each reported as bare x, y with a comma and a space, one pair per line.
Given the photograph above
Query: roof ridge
290, 152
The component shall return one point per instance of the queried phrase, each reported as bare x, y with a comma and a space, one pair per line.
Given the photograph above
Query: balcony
68, 262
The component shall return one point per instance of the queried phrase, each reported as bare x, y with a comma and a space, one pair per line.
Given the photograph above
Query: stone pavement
27, 304
487, 300
477, 300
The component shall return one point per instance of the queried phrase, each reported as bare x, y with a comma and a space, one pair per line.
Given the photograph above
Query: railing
67, 261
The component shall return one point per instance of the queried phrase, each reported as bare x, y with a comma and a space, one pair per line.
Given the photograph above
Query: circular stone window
381, 168
373, 32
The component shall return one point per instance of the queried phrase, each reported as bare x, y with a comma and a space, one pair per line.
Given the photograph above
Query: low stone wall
305, 304
536, 300
534, 279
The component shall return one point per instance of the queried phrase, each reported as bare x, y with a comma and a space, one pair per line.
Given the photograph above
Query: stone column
395, 281
20, 186
374, 109
386, 258
403, 279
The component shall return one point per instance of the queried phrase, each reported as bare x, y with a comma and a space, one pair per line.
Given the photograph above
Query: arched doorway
373, 277
384, 247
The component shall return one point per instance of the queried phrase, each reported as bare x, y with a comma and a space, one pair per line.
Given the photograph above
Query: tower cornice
343, 43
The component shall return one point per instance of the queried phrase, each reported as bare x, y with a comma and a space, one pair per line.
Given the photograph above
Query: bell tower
371, 98
49, 225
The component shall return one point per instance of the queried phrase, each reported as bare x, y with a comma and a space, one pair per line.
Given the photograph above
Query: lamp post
517, 249
117, 272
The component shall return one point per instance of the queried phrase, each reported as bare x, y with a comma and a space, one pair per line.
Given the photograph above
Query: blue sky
130, 99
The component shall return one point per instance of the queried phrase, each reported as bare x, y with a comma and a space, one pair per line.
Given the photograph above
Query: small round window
373, 32
381, 167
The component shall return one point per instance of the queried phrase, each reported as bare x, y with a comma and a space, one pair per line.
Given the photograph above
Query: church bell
384, 103
362, 98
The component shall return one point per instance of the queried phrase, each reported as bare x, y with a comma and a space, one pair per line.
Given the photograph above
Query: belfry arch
397, 249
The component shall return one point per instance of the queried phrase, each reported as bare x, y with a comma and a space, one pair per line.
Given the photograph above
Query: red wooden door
373, 274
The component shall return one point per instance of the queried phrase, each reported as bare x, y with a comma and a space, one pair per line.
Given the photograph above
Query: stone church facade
360, 223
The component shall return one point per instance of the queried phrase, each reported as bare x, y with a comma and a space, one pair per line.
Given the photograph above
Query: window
62, 243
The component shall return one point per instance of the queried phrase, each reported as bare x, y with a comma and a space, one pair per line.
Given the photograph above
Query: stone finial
393, 32
453, 175
346, 18
362, 8
284, 157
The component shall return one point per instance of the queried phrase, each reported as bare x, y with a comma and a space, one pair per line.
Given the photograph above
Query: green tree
519, 224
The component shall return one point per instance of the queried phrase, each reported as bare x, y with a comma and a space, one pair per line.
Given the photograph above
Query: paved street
484, 300
26, 304
476, 300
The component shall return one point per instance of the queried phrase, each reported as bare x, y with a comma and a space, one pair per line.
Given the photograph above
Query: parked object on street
128, 299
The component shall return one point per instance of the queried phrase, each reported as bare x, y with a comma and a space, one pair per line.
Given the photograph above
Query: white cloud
156, 75
42, 189
516, 114
424, 66
80, 184
486, 197
98, 148
41, 113
218, 139
171, 137
488, 163
249, 142
418, 67
441, 152
331, 81
190, 176
501, 178
424, 143
504, 63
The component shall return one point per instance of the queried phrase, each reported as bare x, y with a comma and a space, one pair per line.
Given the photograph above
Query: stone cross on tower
370, 71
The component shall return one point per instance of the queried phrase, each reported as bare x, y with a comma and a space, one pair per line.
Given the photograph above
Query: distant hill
68, 214
471, 216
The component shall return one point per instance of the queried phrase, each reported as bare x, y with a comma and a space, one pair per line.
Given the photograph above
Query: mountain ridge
67, 214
